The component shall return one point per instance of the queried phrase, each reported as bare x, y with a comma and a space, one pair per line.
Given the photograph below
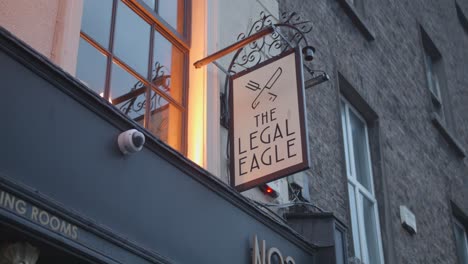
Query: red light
267, 190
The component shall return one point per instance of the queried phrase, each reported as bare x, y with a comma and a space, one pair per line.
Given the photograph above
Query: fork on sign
254, 86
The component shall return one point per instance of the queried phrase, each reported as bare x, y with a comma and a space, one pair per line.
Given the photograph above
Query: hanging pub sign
268, 131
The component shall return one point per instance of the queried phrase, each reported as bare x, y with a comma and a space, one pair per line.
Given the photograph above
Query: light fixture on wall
308, 52
316, 80
268, 190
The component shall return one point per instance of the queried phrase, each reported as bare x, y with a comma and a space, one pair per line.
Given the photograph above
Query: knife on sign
268, 86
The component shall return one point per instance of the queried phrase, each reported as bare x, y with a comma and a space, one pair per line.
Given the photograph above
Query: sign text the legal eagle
270, 134
267, 133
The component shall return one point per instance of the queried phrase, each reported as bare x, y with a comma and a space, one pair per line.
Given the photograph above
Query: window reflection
150, 3
96, 20
354, 220
371, 233
172, 11
131, 77
91, 67
165, 121
360, 147
128, 93
167, 74
345, 136
132, 36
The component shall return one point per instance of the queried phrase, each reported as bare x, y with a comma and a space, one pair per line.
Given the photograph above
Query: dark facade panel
59, 153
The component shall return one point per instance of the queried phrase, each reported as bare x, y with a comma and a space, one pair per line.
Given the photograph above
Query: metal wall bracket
265, 39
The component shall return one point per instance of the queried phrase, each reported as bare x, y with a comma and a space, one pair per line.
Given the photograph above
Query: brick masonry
414, 165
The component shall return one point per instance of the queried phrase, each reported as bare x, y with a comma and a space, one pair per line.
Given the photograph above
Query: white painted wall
52, 27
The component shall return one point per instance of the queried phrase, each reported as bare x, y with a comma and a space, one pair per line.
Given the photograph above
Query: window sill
448, 136
357, 19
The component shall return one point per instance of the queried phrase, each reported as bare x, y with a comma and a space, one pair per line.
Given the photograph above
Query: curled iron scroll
292, 27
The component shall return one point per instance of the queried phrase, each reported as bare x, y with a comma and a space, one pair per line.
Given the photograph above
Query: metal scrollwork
256, 51
289, 32
133, 106
294, 19
134, 102
272, 45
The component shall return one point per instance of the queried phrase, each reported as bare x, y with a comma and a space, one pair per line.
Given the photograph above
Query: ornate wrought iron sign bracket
264, 40
238, 45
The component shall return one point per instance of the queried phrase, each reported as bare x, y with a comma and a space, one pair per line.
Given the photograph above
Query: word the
262, 147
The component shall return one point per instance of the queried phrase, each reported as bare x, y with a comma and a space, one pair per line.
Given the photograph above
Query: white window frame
356, 197
462, 227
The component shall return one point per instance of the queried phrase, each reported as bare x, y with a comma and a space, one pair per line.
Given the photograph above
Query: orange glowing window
135, 55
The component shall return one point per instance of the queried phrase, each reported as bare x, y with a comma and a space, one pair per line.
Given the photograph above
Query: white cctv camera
131, 141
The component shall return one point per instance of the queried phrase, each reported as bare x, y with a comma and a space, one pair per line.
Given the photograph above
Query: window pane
344, 124
165, 121
431, 74
361, 158
339, 247
132, 36
128, 93
150, 3
370, 223
436, 87
428, 62
91, 67
168, 65
96, 20
172, 11
354, 221
462, 246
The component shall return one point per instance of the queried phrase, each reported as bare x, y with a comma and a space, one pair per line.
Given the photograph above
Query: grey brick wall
414, 165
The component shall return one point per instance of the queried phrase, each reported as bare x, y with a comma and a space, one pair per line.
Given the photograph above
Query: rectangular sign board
268, 136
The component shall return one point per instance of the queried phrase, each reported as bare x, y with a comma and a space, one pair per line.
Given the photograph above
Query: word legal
271, 142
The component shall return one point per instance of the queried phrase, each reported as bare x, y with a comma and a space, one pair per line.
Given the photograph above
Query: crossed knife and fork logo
255, 86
